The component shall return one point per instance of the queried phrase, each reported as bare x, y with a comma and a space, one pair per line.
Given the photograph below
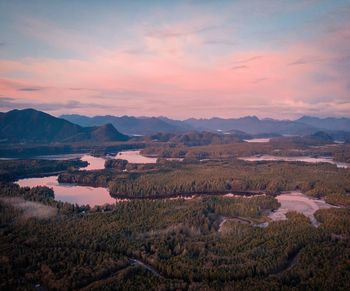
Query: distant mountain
131, 125
30, 125
329, 123
253, 125
80, 119
181, 125
250, 125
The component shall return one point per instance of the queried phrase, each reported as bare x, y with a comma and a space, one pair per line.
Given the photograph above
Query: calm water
295, 159
81, 195
62, 157
258, 140
135, 157
71, 193
95, 163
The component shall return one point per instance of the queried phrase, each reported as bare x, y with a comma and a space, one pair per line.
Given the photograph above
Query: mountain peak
30, 125
250, 117
108, 132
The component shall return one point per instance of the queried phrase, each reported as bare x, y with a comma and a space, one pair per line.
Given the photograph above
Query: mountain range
338, 124
131, 125
250, 125
30, 125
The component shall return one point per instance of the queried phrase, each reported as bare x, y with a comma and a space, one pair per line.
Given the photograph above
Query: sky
279, 59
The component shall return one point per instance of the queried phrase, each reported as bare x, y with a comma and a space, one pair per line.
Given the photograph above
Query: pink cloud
156, 83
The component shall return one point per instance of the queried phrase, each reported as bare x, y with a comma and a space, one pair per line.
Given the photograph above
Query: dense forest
166, 179
200, 242
276, 147
28, 150
11, 170
172, 244
212, 177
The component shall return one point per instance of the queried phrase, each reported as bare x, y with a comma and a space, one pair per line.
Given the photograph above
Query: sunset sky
181, 59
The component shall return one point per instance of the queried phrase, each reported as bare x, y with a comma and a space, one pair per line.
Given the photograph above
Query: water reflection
258, 140
72, 193
62, 157
135, 157
83, 195
95, 163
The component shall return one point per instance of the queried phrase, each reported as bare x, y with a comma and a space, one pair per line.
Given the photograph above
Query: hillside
30, 125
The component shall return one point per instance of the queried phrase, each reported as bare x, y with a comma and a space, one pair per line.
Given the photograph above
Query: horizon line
176, 119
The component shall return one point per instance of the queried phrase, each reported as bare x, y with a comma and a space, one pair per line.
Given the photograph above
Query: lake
83, 195
135, 157
258, 140
72, 193
305, 159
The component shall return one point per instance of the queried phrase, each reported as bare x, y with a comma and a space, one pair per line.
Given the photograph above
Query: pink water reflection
72, 193
95, 163
135, 157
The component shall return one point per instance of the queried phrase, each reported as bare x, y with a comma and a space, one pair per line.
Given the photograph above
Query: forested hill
30, 125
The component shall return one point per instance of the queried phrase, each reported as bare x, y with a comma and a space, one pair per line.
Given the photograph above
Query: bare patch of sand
296, 201
305, 159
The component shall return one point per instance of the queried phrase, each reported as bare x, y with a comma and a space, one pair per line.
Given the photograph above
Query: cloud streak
30, 89
177, 32
239, 67
220, 42
8, 103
